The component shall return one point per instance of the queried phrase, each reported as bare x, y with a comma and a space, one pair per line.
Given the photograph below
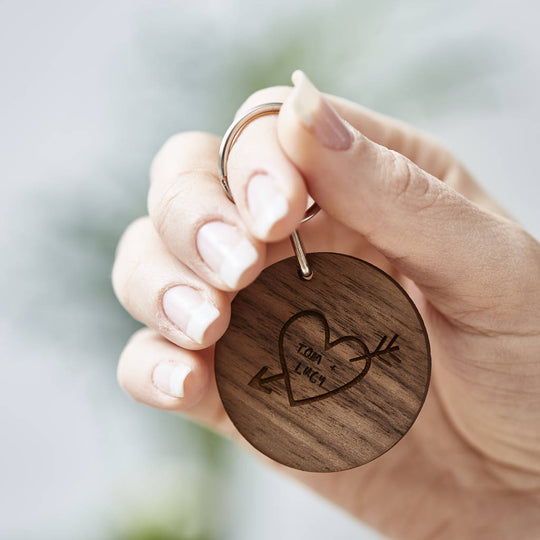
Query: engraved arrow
379, 352
259, 381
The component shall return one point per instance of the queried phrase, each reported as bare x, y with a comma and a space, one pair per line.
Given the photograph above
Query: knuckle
176, 146
408, 184
132, 231
265, 95
125, 362
399, 174
179, 203
125, 262
161, 206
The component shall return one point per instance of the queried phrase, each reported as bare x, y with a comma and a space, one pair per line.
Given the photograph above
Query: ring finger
161, 292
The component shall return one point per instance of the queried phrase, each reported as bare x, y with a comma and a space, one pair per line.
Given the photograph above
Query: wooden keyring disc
328, 374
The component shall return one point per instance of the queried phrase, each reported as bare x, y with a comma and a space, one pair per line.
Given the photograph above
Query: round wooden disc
328, 374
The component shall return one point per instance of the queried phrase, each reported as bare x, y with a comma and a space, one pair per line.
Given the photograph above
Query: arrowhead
258, 382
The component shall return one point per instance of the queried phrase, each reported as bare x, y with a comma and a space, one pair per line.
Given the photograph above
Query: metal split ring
230, 137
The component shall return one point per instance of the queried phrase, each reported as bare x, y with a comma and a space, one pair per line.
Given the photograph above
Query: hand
470, 466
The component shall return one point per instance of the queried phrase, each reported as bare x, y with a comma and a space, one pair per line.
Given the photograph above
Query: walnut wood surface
328, 374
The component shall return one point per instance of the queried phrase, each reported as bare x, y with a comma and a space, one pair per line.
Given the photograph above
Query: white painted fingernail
170, 378
189, 311
266, 203
226, 251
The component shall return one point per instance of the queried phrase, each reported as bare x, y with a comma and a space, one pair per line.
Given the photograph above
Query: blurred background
88, 93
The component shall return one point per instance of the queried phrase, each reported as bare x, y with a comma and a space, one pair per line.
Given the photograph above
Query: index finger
267, 188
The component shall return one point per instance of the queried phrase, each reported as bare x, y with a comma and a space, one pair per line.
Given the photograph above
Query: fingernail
189, 311
226, 251
266, 203
170, 378
317, 115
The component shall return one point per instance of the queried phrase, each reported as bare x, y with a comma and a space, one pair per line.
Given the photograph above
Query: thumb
453, 250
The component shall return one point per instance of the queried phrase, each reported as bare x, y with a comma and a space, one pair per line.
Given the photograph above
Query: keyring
230, 137
323, 369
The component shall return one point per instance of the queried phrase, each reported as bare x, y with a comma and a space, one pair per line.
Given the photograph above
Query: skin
470, 465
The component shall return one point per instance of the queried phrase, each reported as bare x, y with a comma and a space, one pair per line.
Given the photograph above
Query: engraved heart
314, 367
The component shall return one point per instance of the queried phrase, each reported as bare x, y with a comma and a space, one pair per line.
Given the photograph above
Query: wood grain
328, 374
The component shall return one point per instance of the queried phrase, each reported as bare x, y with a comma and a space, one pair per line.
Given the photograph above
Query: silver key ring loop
230, 137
